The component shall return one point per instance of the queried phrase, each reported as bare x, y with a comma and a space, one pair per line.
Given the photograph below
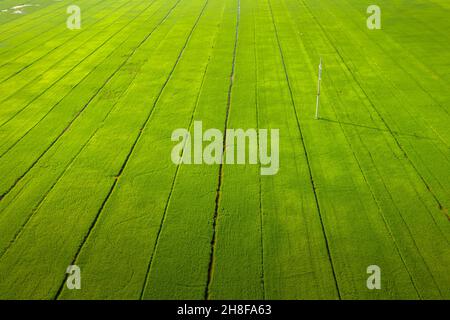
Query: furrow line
219, 184
259, 176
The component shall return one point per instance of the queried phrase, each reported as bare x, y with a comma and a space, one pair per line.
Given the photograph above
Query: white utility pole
318, 89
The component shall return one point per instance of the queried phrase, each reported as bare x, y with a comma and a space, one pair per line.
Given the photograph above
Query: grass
86, 119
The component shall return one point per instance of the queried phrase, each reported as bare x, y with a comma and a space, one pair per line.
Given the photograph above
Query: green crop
86, 177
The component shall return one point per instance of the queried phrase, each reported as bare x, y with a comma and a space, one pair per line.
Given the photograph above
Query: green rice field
86, 176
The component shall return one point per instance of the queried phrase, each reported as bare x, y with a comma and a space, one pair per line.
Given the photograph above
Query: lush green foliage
86, 118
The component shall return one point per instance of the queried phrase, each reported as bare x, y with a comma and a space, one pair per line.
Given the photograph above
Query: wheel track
261, 214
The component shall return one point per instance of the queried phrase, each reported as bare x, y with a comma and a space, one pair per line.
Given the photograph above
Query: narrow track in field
220, 176
261, 216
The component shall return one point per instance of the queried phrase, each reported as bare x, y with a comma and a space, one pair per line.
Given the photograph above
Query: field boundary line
261, 214
306, 156
220, 175
398, 133
180, 164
